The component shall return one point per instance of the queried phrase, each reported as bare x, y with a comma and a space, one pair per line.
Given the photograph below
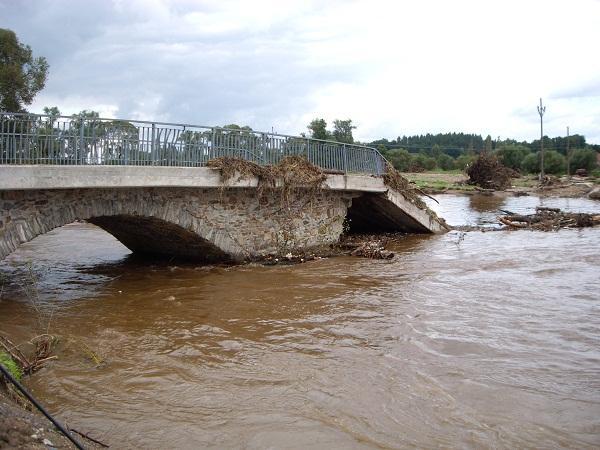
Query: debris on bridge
289, 174
394, 179
549, 219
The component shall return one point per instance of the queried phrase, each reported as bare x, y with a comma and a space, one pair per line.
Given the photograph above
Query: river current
463, 340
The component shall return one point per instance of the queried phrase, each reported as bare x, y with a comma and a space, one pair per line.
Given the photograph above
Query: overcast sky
393, 67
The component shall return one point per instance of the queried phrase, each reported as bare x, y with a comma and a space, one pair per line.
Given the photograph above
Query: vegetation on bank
517, 157
11, 366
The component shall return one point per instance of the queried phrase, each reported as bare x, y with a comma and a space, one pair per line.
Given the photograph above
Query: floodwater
476, 340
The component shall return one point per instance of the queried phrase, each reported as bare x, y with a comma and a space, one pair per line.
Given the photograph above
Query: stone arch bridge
175, 208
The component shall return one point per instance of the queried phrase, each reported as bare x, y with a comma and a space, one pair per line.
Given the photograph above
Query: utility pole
568, 155
541, 110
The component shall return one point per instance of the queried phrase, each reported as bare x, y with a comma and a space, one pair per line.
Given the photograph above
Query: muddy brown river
476, 340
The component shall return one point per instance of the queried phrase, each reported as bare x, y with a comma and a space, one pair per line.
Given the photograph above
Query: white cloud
394, 67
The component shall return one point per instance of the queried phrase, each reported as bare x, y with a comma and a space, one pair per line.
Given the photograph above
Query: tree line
452, 151
522, 156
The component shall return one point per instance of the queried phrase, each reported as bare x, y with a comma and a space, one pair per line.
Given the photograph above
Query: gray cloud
110, 55
393, 69
584, 90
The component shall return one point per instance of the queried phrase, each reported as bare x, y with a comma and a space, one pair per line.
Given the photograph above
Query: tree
342, 131
121, 142
21, 75
436, 151
512, 155
487, 145
318, 129
52, 111
86, 125
400, 159
554, 162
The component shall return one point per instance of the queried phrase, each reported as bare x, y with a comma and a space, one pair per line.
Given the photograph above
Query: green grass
11, 366
442, 185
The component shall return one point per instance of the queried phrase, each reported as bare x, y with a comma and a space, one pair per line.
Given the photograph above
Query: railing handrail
149, 122
81, 140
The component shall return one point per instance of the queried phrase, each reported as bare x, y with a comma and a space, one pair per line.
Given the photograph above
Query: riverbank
23, 429
456, 183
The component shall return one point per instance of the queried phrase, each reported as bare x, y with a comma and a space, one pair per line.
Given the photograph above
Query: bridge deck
376, 206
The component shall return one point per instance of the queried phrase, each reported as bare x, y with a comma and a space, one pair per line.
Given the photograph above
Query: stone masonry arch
204, 224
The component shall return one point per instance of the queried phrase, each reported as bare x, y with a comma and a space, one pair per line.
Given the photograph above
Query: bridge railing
75, 140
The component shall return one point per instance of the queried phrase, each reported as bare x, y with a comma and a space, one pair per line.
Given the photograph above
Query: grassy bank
455, 181
440, 181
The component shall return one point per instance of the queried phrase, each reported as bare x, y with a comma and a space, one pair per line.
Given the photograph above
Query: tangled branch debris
42, 353
367, 245
489, 173
289, 174
549, 219
372, 246
394, 179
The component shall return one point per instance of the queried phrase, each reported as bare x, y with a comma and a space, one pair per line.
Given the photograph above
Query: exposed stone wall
183, 221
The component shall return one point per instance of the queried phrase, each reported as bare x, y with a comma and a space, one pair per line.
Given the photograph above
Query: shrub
512, 155
583, 159
554, 162
445, 162
464, 160
399, 158
422, 162
531, 163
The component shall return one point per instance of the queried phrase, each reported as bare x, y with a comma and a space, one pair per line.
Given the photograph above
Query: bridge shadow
160, 240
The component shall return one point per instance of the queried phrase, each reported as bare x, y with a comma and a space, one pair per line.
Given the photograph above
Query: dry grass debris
394, 179
290, 174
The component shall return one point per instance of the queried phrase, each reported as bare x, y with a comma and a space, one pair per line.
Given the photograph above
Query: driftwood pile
366, 245
372, 246
489, 173
549, 219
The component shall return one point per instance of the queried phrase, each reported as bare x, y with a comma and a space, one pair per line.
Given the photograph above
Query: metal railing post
77, 157
211, 152
345, 160
153, 147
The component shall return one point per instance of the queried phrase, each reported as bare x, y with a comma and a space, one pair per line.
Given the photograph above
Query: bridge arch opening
374, 213
151, 236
